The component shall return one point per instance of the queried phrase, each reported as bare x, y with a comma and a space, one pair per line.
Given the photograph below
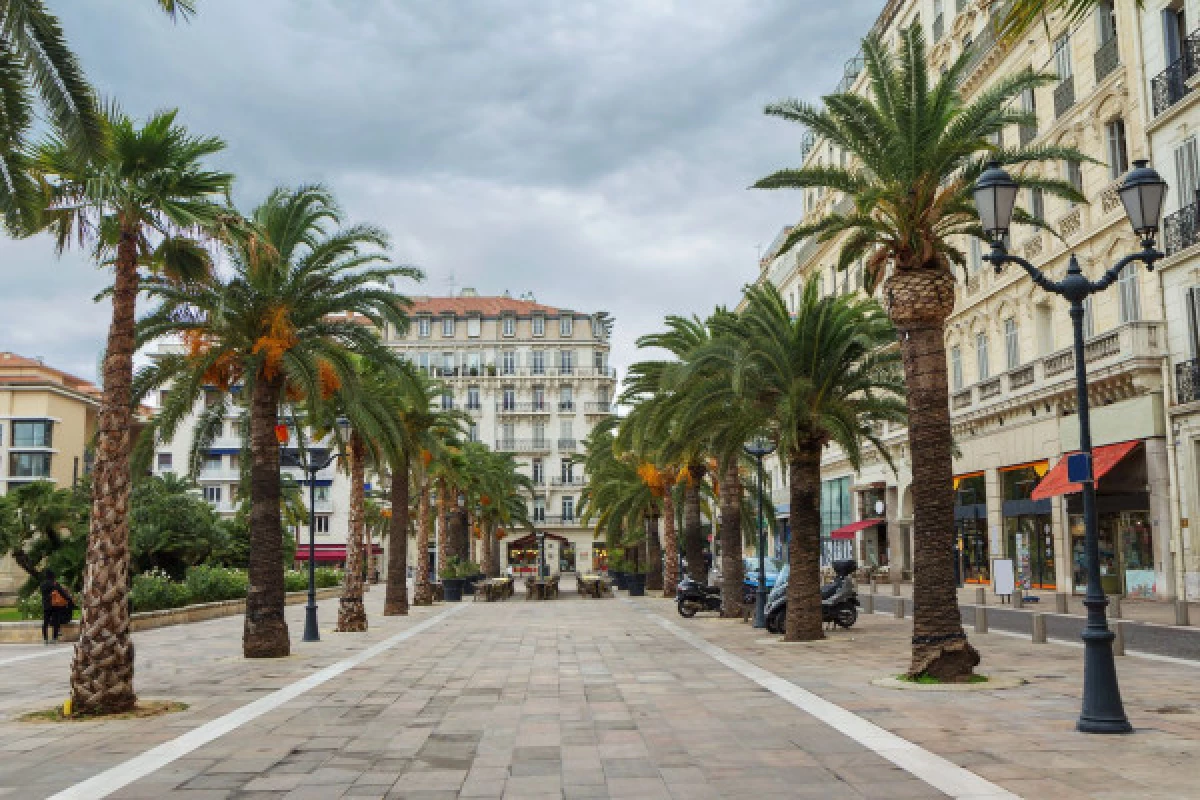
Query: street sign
1079, 467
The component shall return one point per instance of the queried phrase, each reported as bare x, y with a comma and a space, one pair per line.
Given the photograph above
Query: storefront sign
1003, 578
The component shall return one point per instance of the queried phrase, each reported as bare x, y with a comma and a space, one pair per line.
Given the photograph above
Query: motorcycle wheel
686, 610
846, 616
775, 621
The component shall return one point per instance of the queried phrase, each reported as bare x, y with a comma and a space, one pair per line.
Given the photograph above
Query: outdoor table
494, 589
541, 588
592, 585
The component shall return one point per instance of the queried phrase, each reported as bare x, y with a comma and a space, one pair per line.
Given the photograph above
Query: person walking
57, 606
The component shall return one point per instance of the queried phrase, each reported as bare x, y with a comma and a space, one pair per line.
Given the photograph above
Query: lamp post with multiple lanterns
1142, 191
759, 449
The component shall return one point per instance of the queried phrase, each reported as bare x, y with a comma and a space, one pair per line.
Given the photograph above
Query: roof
487, 306
19, 370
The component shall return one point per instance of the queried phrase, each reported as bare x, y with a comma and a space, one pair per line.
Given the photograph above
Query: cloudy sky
594, 153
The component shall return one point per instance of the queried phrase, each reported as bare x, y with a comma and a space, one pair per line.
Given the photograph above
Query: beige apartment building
47, 421
535, 380
1008, 342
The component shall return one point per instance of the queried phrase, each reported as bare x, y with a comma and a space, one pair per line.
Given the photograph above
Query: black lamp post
1141, 191
759, 449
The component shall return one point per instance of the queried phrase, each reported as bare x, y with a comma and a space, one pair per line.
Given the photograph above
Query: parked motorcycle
691, 597
839, 600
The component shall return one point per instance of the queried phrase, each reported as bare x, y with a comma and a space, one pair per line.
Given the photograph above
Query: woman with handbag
57, 606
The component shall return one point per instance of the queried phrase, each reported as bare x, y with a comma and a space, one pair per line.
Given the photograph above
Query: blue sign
1079, 467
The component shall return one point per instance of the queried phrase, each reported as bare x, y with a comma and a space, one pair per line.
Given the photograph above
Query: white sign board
1003, 577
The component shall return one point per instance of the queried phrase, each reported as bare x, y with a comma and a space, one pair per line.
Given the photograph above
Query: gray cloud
596, 153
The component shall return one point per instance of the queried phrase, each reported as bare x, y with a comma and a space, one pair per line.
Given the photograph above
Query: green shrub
207, 584
30, 607
295, 580
154, 590
326, 578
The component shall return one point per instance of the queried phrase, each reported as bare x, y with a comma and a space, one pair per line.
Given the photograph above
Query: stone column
1162, 522
995, 513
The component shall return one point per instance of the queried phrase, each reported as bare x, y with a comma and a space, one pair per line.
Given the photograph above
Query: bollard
1118, 645
1017, 600
1060, 602
895, 589
980, 596
868, 604
1181, 613
1038, 626
898, 607
981, 619
1114, 606
871, 584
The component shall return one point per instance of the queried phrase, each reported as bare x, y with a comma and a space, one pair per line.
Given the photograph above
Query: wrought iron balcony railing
1064, 96
1170, 85
1187, 381
1106, 59
1180, 230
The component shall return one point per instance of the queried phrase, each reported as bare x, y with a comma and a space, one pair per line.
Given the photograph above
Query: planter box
452, 589
637, 584
30, 631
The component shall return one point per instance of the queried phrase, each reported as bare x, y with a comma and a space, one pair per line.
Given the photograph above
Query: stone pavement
592, 699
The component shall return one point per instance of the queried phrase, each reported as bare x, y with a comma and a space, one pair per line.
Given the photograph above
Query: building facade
1008, 342
47, 421
535, 380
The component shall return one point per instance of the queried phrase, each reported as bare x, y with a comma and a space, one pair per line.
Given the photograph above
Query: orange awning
1103, 460
848, 531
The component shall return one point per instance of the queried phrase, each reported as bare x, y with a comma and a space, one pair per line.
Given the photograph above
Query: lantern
282, 434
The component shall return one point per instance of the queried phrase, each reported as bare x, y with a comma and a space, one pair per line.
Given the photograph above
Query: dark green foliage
172, 528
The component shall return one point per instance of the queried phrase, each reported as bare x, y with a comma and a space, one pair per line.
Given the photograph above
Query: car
772, 566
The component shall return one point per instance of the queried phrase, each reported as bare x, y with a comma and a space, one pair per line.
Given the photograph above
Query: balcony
1106, 354
1106, 59
1170, 85
523, 408
571, 480
1187, 381
522, 445
1179, 229
1026, 133
566, 405
558, 519
568, 444
599, 408
1064, 96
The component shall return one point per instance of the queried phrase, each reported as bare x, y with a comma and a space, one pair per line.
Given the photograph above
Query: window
473, 364
165, 462
508, 325
539, 434
508, 433
212, 494
539, 398
29, 465
1029, 106
566, 399
424, 324
1075, 175
975, 257
539, 325
539, 362
597, 328
1192, 308
1118, 155
212, 462
423, 362
1187, 171
447, 400
1012, 345
509, 395
321, 494
821, 284
956, 369
322, 523
1174, 33
473, 432
568, 509
539, 509
447, 363
567, 469
599, 360
32, 433
474, 326
508, 362
447, 326
566, 362
1089, 326
1106, 20
1062, 57
564, 429
473, 398
1037, 204
538, 476
1127, 294
981, 355
566, 325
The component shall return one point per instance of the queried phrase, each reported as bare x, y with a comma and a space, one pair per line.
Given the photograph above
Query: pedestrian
57, 606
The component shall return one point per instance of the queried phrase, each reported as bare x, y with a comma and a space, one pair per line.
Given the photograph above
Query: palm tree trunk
443, 524
352, 616
395, 599
732, 567
919, 301
102, 664
693, 534
803, 621
423, 591
654, 556
670, 546
265, 634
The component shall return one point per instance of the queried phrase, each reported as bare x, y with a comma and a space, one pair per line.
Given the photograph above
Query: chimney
469, 292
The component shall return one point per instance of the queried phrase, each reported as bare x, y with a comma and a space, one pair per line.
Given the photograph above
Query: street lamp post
1141, 191
759, 449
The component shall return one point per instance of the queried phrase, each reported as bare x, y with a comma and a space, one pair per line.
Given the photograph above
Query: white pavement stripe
29, 656
941, 774
156, 758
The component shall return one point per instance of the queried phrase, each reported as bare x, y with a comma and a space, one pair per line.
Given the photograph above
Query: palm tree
140, 201
305, 298
917, 150
1024, 14
36, 519
826, 375
497, 498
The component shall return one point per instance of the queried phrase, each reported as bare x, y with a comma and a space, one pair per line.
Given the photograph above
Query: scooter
839, 600
691, 597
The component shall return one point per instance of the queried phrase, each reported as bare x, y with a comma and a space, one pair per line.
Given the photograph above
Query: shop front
970, 517
524, 556
1028, 527
836, 512
1124, 532
873, 547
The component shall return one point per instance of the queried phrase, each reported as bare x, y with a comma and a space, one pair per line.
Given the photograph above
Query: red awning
1103, 460
848, 531
530, 540
330, 552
